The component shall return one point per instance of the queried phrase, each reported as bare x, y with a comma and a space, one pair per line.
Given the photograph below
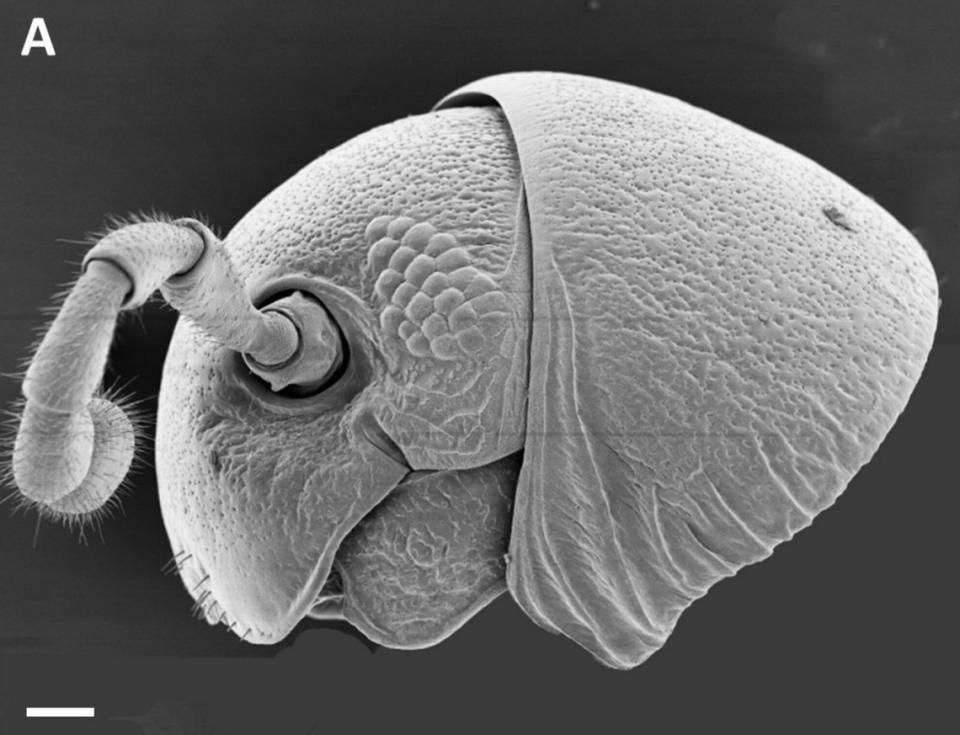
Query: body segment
712, 360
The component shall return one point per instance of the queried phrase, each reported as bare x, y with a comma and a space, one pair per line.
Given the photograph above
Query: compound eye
321, 352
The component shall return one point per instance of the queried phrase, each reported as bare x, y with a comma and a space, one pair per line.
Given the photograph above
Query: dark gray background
206, 107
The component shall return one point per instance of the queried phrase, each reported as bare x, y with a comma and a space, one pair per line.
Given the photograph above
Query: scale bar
59, 711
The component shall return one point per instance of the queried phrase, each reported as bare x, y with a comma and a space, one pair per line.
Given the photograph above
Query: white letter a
38, 27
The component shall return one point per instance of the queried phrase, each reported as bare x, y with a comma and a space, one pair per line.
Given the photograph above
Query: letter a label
38, 37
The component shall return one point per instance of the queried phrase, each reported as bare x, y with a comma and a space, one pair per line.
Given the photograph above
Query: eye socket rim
354, 321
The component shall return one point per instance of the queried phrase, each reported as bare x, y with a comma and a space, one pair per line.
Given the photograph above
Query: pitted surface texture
457, 170
723, 332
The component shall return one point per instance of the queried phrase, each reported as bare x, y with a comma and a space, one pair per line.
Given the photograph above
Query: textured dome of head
286, 484
453, 170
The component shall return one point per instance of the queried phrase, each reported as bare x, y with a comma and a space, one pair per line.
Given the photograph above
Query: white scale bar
59, 711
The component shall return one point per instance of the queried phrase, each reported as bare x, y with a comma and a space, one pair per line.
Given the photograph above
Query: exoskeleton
559, 336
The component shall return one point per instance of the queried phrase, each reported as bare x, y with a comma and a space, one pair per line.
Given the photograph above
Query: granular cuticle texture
435, 301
